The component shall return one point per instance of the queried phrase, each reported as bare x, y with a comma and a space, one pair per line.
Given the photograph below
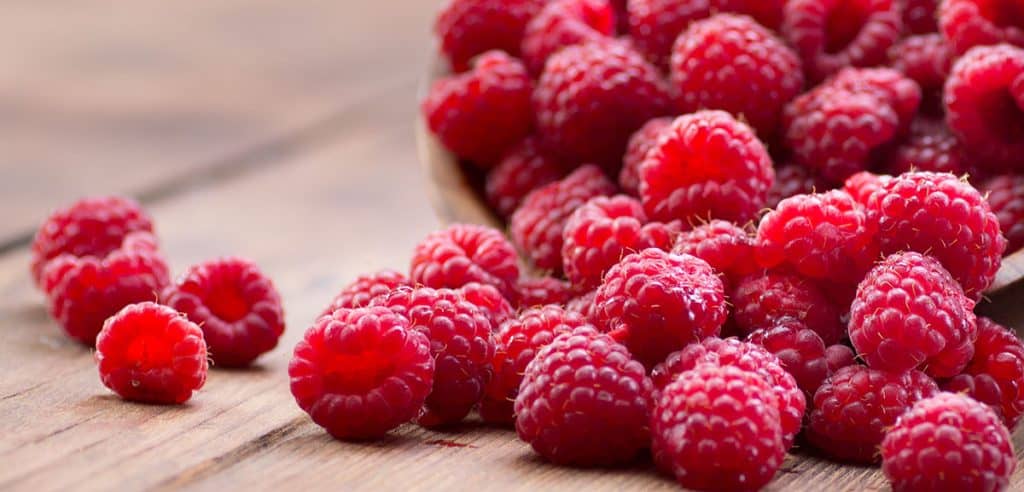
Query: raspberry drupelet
995, 375
564, 23
365, 288
969, 23
524, 168
361, 372
465, 253
1006, 197
764, 299
728, 248
542, 291
800, 351
152, 354
639, 144
467, 28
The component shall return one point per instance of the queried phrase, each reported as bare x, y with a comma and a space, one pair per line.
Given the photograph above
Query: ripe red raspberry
91, 227
728, 248
840, 356
542, 291
481, 114
604, 230
793, 179
933, 149
707, 165
654, 25
524, 168
768, 13
926, 59
467, 28
909, 313
948, 442
639, 144
938, 214
800, 351
490, 301
748, 357
536, 227
995, 375
855, 407
717, 428
764, 300
732, 63
361, 372
460, 342
582, 304
831, 34
151, 353
862, 185
516, 344
584, 401
1006, 197
969, 23
656, 303
365, 288
465, 253
889, 86
919, 16
85, 291
564, 23
985, 106
592, 97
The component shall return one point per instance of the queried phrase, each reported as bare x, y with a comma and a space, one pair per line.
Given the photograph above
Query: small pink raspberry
995, 375
564, 23
465, 253
639, 144
366, 288
1006, 197
765, 300
830, 35
800, 351
490, 301
969, 23
524, 168
542, 291
467, 28
728, 248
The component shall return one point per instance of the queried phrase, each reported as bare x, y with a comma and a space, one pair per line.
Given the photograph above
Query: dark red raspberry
536, 227
707, 165
926, 59
91, 227
862, 185
465, 253
840, 356
621, 16
654, 25
728, 248
764, 300
584, 401
855, 407
995, 375
517, 342
490, 301
85, 291
524, 168
541, 291
944, 217
361, 372
366, 288
830, 35
717, 428
582, 304
889, 86
592, 97
641, 142
970, 23
656, 303
985, 106
919, 15
768, 13
928, 149
948, 442
800, 351
1006, 197
481, 114
564, 23
732, 63
604, 230
151, 353
909, 313
467, 28
793, 179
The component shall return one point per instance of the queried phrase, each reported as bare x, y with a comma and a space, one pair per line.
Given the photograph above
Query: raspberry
910, 313
481, 114
944, 217
150, 353
564, 23
948, 442
654, 25
1006, 197
517, 343
732, 63
933, 149
748, 357
792, 179
919, 15
541, 291
862, 185
536, 227
592, 97
85, 291
524, 168
855, 407
460, 343
889, 86
985, 106
584, 401
717, 428
728, 248
707, 165
490, 301
365, 288
800, 351
602, 231
656, 303
768, 13
361, 372
764, 300
465, 253
639, 144
582, 304
840, 356
832, 34
969, 23
467, 28
926, 59
995, 375
92, 227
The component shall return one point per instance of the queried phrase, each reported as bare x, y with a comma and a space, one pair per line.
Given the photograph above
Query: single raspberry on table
584, 401
656, 303
490, 301
857, 405
365, 288
919, 16
537, 225
465, 253
928, 149
728, 248
1006, 197
654, 25
718, 428
467, 28
564, 23
763, 300
707, 165
524, 168
927, 60
800, 351
151, 353
862, 185
542, 291
361, 372
794, 179
995, 375
969, 23
639, 144
948, 442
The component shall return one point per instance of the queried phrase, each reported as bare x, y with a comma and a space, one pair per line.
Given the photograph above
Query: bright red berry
490, 301
890, 86
800, 351
542, 291
793, 179
919, 16
728, 248
564, 23
654, 25
995, 375
465, 253
969, 23
583, 303
639, 144
1006, 197
365, 288
467, 28
524, 168
764, 300
926, 59
832, 34
862, 185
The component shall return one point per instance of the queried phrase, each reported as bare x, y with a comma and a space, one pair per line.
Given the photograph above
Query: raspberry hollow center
357, 373
228, 303
844, 24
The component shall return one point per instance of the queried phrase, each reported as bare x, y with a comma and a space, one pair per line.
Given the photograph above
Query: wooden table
281, 131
